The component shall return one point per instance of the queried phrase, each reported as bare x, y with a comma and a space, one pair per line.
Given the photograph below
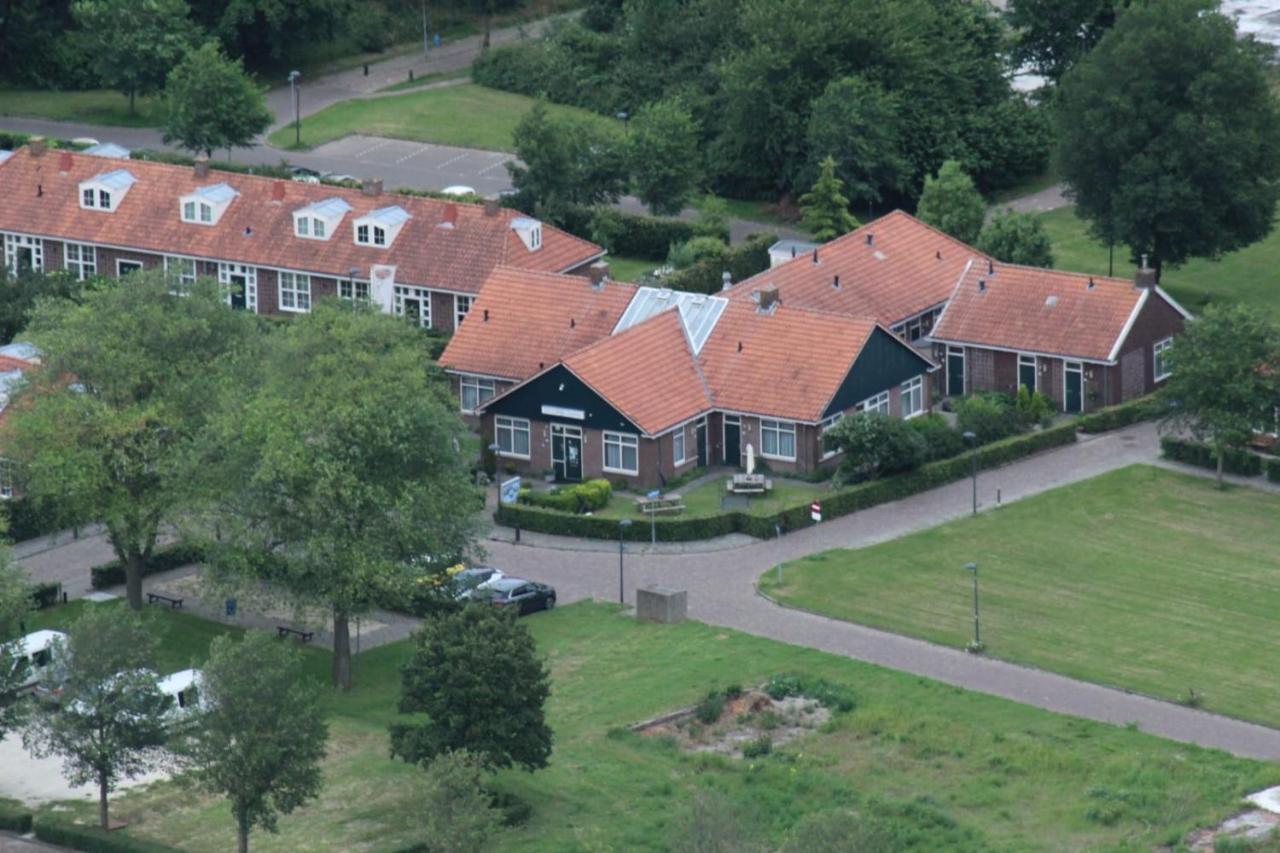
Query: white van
36, 650
184, 688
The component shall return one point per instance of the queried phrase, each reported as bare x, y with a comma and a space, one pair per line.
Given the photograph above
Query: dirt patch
1250, 826
745, 721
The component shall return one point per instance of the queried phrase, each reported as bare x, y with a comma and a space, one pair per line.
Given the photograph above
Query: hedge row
1240, 462
1273, 470
46, 594
590, 496
280, 171
14, 817
1115, 417
94, 839
30, 519
628, 233
741, 262
835, 504
112, 574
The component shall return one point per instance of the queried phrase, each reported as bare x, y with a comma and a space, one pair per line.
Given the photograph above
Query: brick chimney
1145, 278
599, 274
36, 146
64, 162
202, 166
769, 299
491, 207
449, 218
371, 186
277, 192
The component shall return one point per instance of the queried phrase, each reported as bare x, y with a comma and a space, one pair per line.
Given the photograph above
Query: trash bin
231, 607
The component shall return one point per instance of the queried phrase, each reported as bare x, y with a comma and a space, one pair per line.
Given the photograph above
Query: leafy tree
566, 162
486, 9
875, 444
213, 103
825, 208
261, 733
110, 445
476, 676
664, 159
266, 31
1054, 34
1225, 378
135, 43
951, 203
713, 218
1016, 238
858, 123
109, 724
1169, 135
690, 252
458, 814
19, 292
15, 604
990, 416
339, 462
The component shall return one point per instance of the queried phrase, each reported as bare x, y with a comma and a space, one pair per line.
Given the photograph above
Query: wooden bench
753, 486
283, 631
174, 603
653, 506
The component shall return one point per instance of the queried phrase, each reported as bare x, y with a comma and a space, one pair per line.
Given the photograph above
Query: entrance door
702, 443
1027, 372
732, 440
955, 372
414, 304
1073, 387
566, 452
26, 259
238, 285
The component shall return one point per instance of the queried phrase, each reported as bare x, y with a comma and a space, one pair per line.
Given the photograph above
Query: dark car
520, 595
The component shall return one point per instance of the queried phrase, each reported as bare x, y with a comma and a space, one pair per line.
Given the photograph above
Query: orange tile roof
788, 363
908, 267
648, 373
43, 201
524, 321
8, 362
1037, 310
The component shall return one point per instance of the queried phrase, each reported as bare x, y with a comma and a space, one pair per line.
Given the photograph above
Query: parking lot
411, 164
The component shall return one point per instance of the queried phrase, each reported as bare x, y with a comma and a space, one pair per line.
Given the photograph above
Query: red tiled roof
908, 267
647, 373
1038, 310
525, 321
42, 201
8, 362
788, 363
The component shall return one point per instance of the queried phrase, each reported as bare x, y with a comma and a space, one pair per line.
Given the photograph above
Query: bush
112, 574
280, 171
1240, 462
30, 519
590, 496
46, 594
629, 234
92, 839
14, 817
1273, 470
758, 748
697, 250
941, 440
741, 262
1115, 417
710, 708
837, 697
1033, 407
876, 444
990, 417
369, 29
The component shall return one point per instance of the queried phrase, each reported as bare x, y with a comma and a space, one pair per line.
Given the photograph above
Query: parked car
459, 189
36, 652
305, 175
184, 687
472, 582
338, 178
522, 595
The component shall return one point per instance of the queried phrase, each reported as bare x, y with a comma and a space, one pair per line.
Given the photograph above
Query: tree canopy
566, 161
1169, 135
662, 149
134, 44
858, 123
951, 203
1016, 238
1053, 34
15, 604
212, 103
825, 207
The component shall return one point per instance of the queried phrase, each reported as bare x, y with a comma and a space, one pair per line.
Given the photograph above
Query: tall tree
109, 723
1016, 238
342, 462
135, 43
1169, 135
663, 153
566, 161
125, 384
1225, 380
15, 604
825, 207
476, 675
858, 123
263, 32
951, 203
20, 290
213, 103
1053, 34
260, 734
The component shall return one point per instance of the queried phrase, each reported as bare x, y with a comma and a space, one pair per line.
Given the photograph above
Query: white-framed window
414, 304
124, 268
913, 397
317, 228
6, 479
461, 305
104, 199
351, 289
22, 253
295, 292
475, 391
80, 259
1161, 360
88, 198
778, 440
188, 211
878, 403
206, 212
824, 428
181, 273
371, 235
621, 453
303, 224
512, 436
677, 447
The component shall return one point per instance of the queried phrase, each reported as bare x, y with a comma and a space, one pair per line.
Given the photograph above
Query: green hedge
1273, 470
1240, 462
835, 504
741, 261
112, 574
93, 839
280, 171
29, 519
46, 594
628, 233
14, 817
591, 496
1115, 417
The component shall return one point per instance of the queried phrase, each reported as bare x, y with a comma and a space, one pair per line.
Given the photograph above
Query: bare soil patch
747, 719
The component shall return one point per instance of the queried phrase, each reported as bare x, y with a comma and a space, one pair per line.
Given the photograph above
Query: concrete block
662, 604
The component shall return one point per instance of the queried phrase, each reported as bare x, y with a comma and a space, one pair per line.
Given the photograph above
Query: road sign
509, 491
815, 510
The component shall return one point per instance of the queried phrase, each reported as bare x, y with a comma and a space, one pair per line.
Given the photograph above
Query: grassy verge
754, 210
630, 269
469, 116
427, 80
94, 106
1142, 578
705, 499
1244, 276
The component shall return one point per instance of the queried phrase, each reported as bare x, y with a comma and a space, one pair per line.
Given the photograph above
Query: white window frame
779, 429
353, 289
511, 427
14, 242
250, 275
621, 441
876, 403
295, 292
104, 200
483, 390
134, 266
189, 211
403, 291
823, 428
85, 262
206, 212
1025, 360
461, 307
302, 226
678, 448
913, 390
1158, 350
6, 480
181, 272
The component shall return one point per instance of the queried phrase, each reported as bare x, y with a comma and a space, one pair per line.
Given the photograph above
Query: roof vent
938, 254
982, 285
991, 267
486, 315
768, 299
1050, 301
573, 324
815, 254
739, 346
726, 280
248, 232
835, 281
1091, 284
871, 239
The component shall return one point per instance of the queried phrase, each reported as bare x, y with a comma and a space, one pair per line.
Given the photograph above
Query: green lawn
1245, 276
704, 500
1142, 578
630, 269
427, 80
971, 772
466, 115
94, 106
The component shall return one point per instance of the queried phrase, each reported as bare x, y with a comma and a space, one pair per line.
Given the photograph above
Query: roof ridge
1053, 271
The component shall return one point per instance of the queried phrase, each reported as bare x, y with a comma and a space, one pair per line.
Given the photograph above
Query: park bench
174, 603
652, 506
283, 631
748, 484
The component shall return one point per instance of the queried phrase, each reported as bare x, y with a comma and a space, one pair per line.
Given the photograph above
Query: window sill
913, 415
505, 455
777, 458
295, 310
625, 473
1162, 378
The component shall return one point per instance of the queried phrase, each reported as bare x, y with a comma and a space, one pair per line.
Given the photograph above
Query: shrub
758, 748
875, 444
30, 519
696, 250
1240, 462
1115, 417
590, 496
741, 262
710, 708
629, 234
14, 817
1033, 407
1273, 470
941, 440
46, 594
834, 696
990, 417
280, 171
94, 840
112, 574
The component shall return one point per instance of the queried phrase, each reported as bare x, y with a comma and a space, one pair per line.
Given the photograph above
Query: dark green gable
558, 387
885, 361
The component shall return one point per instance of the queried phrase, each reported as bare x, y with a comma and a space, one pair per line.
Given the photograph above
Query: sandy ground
37, 780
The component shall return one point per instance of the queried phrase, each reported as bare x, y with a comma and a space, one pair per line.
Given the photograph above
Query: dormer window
206, 205
106, 191
317, 221
380, 227
529, 231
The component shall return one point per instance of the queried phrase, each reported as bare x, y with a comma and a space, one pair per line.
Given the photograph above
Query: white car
36, 650
185, 688
468, 582
459, 189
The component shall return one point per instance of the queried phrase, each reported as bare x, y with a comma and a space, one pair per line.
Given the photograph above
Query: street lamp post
971, 439
622, 530
296, 90
493, 453
624, 117
977, 625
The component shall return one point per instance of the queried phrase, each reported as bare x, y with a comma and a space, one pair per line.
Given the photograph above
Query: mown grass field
466, 115
961, 770
93, 106
1247, 276
1142, 578
705, 499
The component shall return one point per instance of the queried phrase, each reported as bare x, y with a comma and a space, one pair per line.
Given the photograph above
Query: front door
236, 290
955, 372
702, 443
566, 453
1027, 372
1073, 387
732, 440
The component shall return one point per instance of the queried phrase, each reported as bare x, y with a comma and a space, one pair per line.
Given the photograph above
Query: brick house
1084, 341
276, 246
15, 361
